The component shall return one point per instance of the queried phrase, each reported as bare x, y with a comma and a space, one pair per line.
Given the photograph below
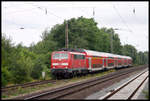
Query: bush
6, 76
36, 71
4, 81
20, 74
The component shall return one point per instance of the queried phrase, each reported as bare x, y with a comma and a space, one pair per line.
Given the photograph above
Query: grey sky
33, 18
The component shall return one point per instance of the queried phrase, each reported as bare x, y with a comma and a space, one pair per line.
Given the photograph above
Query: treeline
22, 64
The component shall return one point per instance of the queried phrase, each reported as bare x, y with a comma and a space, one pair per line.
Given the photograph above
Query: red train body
70, 62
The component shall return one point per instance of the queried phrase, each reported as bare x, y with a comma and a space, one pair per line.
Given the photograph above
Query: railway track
25, 85
69, 90
119, 93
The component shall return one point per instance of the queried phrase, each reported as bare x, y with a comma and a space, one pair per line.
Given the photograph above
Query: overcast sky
131, 18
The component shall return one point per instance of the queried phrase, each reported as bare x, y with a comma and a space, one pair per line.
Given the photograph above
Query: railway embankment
82, 89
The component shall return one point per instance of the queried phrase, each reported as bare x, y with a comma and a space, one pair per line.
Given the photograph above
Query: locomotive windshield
60, 56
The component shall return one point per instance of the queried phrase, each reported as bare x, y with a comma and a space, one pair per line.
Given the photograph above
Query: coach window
75, 56
83, 57
79, 57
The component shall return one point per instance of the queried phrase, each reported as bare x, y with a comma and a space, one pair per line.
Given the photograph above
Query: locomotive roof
72, 49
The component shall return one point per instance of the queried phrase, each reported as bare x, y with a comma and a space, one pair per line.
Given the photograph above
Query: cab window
60, 56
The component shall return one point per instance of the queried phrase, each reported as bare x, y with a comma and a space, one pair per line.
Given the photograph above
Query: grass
4, 96
146, 94
21, 91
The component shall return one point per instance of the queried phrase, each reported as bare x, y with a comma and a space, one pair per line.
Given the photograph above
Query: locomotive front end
60, 63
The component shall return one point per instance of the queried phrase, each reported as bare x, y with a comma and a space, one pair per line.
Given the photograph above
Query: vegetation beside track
146, 93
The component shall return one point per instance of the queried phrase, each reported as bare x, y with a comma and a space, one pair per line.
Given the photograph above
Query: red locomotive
72, 62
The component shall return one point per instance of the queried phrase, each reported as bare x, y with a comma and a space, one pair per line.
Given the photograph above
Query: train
72, 62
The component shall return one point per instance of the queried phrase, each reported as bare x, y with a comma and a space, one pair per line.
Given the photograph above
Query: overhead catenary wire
121, 18
95, 16
46, 10
134, 15
35, 7
87, 13
136, 18
47, 13
123, 22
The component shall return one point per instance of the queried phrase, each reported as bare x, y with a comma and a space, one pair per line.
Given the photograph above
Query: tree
80, 32
23, 62
131, 51
7, 53
6, 76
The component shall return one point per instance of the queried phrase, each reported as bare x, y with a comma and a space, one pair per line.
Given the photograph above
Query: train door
124, 62
105, 62
83, 61
127, 62
90, 63
76, 61
72, 61
116, 63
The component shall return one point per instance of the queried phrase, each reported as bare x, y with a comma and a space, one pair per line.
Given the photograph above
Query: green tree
80, 32
6, 76
131, 51
7, 53
23, 62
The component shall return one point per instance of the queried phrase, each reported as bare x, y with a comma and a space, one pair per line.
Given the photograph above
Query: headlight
54, 64
64, 64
